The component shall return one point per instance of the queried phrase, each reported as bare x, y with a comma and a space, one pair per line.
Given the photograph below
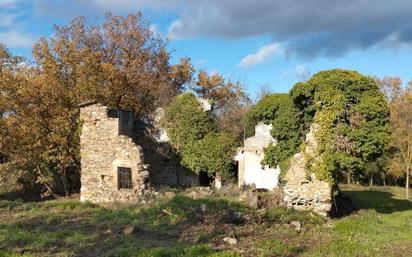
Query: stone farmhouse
121, 157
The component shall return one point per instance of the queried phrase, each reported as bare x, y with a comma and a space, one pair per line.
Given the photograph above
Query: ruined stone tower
303, 190
111, 163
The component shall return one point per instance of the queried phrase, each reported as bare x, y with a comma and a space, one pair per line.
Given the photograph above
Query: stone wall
103, 150
165, 167
303, 191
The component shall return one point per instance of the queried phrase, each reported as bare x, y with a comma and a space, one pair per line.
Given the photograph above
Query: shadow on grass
71, 228
381, 202
21, 195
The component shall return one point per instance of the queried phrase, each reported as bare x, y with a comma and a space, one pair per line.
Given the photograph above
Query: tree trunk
384, 179
348, 179
371, 181
66, 183
43, 180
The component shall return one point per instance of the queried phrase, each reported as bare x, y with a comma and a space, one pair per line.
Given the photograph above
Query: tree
231, 117
214, 87
186, 122
230, 102
119, 63
19, 148
400, 103
401, 124
263, 90
391, 87
195, 136
214, 153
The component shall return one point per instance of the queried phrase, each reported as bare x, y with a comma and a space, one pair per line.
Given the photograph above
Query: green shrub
193, 133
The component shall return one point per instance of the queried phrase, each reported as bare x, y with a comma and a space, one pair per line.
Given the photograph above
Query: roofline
87, 103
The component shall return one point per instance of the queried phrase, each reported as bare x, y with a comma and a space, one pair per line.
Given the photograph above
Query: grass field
181, 226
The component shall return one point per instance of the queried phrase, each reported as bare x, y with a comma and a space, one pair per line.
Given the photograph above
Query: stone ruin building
249, 157
301, 191
121, 156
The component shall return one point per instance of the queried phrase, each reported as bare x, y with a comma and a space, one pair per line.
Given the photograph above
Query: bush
193, 133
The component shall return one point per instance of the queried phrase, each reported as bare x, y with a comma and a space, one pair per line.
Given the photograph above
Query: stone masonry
304, 191
113, 142
103, 151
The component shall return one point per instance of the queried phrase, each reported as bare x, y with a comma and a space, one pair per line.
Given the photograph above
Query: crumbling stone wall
103, 150
165, 167
303, 191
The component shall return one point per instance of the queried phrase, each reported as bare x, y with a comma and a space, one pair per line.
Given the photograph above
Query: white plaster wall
262, 137
251, 156
160, 135
261, 177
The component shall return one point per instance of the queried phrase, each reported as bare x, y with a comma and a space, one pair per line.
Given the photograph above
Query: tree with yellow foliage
401, 123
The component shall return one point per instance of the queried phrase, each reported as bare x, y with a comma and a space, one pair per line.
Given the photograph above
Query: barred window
124, 177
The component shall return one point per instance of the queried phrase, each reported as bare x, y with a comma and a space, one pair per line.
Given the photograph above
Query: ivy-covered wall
352, 118
278, 110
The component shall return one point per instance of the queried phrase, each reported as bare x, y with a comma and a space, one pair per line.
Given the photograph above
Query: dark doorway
204, 179
235, 171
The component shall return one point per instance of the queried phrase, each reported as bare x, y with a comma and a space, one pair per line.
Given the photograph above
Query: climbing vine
280, 111
351, 118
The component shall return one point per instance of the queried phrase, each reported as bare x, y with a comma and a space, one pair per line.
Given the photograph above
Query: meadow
182, 226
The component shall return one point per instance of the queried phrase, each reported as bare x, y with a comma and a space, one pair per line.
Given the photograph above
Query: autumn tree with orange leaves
231, 103
119, 63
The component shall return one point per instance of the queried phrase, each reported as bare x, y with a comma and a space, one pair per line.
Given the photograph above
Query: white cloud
128, 5
324, 27
300, 72
14, 39
175, 25
262, 55
200, 62
9, 19
154, 28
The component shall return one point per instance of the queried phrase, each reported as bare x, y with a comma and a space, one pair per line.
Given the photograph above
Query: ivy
352, 118
278, 110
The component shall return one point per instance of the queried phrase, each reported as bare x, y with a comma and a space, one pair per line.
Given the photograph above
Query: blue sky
277, 43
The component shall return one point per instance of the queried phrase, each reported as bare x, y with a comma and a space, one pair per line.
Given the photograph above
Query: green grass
179, 227
68, 228
382, 227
